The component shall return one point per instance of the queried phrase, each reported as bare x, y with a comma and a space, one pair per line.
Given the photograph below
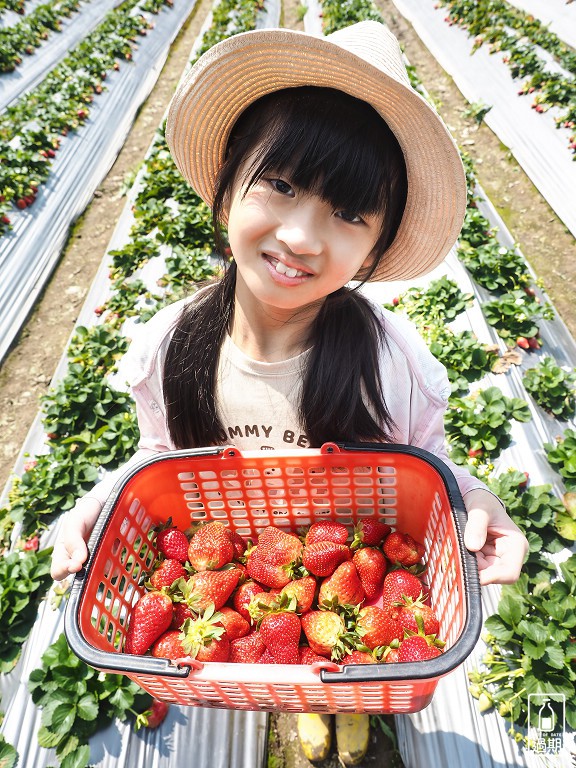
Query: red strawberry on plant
211, 547
210, 587
400, 582
326, 531
243, 595
235, 625
369, 533
304, 590
205, 638
169, 646
419, 648
342, 588
402, 548
153, 716
247, 650
371, 566
378, 626
280, 632
166, 573
173, 544
416, 616
150, 618
323, 557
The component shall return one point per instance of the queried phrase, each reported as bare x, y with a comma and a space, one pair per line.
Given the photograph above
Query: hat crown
376, 45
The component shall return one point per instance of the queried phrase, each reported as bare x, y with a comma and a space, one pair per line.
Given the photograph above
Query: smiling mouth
282, 269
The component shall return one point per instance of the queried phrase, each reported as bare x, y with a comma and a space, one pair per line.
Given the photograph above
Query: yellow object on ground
352, 737
315, 735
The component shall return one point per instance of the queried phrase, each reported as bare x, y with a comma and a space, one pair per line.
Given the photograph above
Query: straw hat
365, 61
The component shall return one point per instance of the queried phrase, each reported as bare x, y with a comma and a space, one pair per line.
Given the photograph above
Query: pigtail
342, 398
191, 365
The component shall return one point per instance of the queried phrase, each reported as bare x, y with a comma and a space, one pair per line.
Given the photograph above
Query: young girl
324, 167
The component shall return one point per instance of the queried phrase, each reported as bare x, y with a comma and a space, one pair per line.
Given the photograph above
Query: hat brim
243, 68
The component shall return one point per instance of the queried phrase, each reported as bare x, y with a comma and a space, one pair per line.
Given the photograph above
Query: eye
281, 186
350, 217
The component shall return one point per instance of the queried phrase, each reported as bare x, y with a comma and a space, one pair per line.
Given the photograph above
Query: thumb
476, 530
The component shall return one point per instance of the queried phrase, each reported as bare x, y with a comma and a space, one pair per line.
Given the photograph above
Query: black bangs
326, 143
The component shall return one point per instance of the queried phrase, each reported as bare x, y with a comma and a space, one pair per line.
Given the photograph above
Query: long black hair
338, 148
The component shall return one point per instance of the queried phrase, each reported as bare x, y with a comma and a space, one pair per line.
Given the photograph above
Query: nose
301, 229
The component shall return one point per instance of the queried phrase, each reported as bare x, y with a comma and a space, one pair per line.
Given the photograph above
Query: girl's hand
499, 544
70, 551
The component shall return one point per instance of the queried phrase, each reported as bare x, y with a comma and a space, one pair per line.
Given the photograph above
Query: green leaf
8, 755
532, 649
554, 657
88, 707
80, 758
511, 609
63, 718
501, 631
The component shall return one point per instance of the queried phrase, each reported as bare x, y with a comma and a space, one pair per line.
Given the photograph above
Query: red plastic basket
406, 487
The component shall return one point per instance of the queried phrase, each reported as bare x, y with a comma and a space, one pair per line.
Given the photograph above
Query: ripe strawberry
417, 648
21, 203
369, 533
358, 657
475, 453
238, 543
343, 587
371, 566
153, 716
522, 342
303, 590
398, 583
173, 544
235, 625
150, 617
323, 557
266, 657
377, 626
326, 531
308, 656
169, 646
205, 638
182, 611
261, 603
326, 633
280, 633
415, 616
274, 560
402, 548
166, 573
248, 649
243, 595
211, 547
210, 587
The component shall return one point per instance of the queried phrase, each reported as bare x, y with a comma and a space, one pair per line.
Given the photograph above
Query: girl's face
291, 248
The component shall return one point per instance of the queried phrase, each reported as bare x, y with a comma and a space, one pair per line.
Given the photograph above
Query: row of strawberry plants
89, 425
18, 6
478, 429
506, 28
31, 32
31, 129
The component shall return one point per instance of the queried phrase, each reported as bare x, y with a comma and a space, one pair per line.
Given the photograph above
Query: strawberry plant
440, 302
77, 700
552, 387
493, 266
562, 456
515, 314
24, 578
8, 755
466, 359
479, 426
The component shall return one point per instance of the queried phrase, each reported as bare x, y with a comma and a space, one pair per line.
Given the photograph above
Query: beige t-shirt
258, 402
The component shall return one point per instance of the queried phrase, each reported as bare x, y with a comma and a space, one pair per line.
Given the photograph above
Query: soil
26, 372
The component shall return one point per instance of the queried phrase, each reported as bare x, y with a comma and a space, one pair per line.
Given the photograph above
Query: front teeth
288, 271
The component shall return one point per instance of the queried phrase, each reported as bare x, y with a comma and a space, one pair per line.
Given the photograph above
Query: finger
476, 530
